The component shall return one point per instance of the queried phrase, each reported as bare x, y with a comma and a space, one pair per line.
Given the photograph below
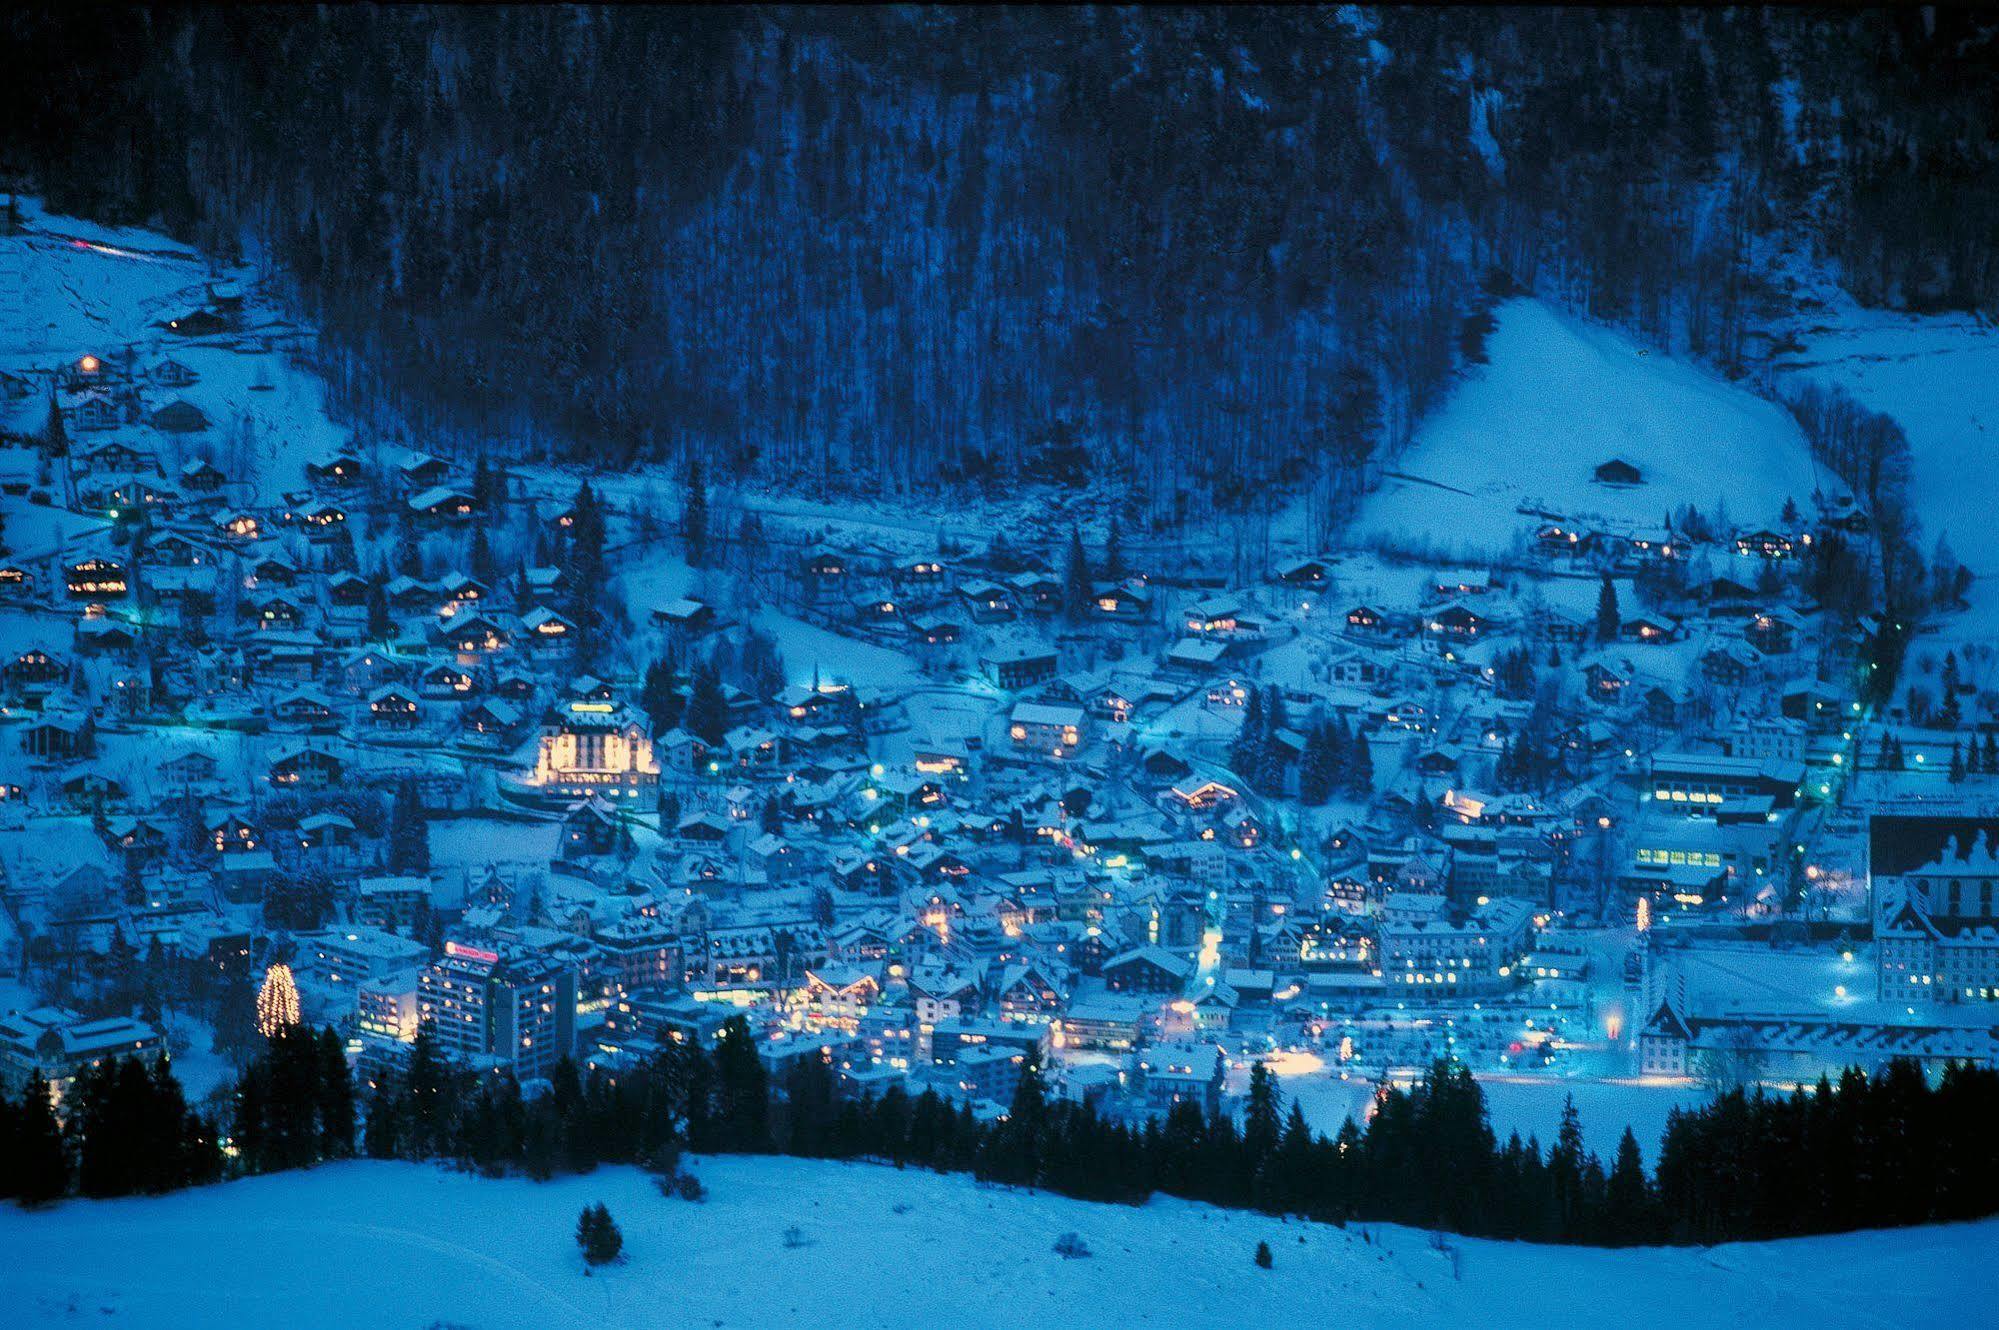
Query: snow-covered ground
1938, 376
1558, 398
366, 1245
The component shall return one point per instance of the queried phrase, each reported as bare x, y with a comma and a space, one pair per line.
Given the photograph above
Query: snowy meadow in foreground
365, 1245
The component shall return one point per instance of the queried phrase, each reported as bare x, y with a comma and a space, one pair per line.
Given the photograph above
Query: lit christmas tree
277, 1001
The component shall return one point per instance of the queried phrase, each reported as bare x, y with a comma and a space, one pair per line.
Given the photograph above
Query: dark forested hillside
903, 248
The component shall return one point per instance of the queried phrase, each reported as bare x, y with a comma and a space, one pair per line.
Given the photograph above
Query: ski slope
375, 1246
1558, 398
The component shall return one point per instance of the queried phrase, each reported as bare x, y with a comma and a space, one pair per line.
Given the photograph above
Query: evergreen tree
1263, 1257
336, 1098
1114, 569
660, 697
1360, 767
55, 437
707, 712
598, 1236
742, 1089
1246, 750
1607, 618
1078, 588
381, 627
1628, 1198
584, 571
409, 830
694, 517
41, 1170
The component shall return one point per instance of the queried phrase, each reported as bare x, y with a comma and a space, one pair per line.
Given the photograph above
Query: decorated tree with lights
277, 1001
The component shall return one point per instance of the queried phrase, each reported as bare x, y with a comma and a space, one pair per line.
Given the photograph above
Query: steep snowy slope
1559, 398
366, 1245
1939, 377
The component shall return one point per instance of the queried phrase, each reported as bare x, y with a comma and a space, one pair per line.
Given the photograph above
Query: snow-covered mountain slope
365, 1245
71, 288
1938, 376
1557, 399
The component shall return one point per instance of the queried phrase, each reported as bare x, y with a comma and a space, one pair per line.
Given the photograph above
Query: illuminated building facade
598, 747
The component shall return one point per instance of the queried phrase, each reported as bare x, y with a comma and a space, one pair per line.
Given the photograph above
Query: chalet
545, 630
1039, 727
444, 680
1121, 601
409, 595
100, 636
393, 707
1019, 668
1726, 590
1731, 664
986, 602
179, 416
305, 707
919, 574
1649, 629
685, 616
422, 472
230, 833
95, 410
347, 590
84, 371
1036, 592
1763, 544
933, 632
474, 633
1772, 632
1606, 677
441, 505
33, 669
16, 580
1453, 620
701, 828
491, 720
1311, 573
171, 373
273, 570
1367, 620
202, 322
1617, 471
592, 828
874, 609
96, 579
303, 767
278, 611
322, 521
1147, 970
1195, 657
458, 590
201, 476
337, 468
514, 685
1217, 614
1561, 538
175, 550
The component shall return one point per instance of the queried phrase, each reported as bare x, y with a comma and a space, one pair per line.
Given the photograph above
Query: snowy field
371, 1246
1938, 376
1559, 398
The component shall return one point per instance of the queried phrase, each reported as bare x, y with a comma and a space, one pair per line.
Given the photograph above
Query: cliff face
1213, 252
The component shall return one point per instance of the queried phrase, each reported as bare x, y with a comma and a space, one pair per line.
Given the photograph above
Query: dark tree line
1890, 1149
124, 1128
